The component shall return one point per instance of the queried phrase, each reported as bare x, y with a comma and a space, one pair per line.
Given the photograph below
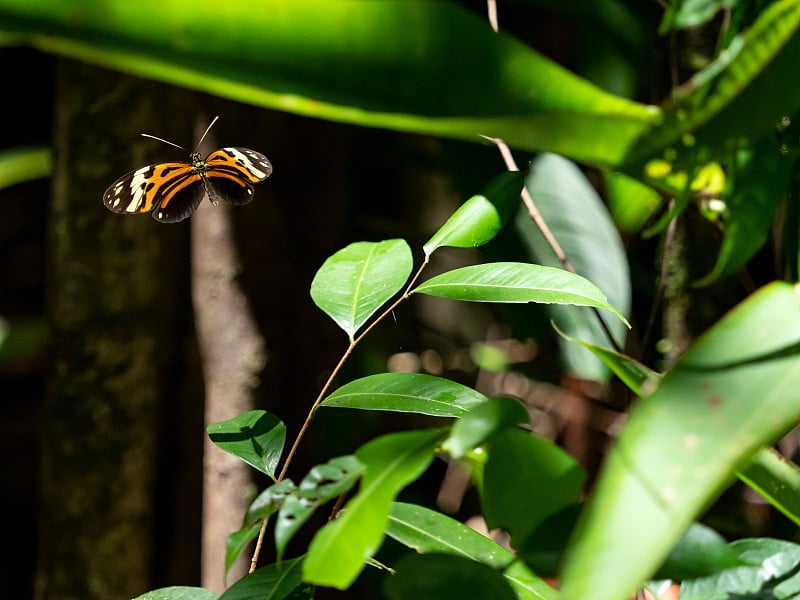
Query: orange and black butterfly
171, 191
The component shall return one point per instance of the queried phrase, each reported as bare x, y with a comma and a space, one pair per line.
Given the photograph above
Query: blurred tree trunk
115, 315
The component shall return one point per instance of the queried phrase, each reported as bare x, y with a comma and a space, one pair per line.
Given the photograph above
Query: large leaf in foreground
346, 60
338, 551
516, 282
407, 392
735, 390
356, 281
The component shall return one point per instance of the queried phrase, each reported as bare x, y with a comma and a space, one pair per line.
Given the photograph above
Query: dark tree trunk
116, 317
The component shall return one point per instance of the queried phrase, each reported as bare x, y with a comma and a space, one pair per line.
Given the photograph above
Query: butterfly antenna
202, 137
163, 140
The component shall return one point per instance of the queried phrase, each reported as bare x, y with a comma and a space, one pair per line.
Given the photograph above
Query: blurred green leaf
322, 483
238, 541
773, 574
744, 101
526, 480
257, 437
630, 202
681, 444
406, 392
700, 552
631, 372
690, 13
481, 217
437, 576
777, 479
428, 67
18, 165
483, 421
338, 551
515, 282
356, 281
580, 222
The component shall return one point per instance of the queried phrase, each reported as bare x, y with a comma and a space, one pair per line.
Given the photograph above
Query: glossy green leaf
338, 551
579, 220
275, 582
428, 531
257, 437
772, 574
481, 217
437, 576
483, 421
24, 164
349, 61
733, 391
407, 392
356, 281
179, 593
777, 479
323, 483
631, 372
516, 282
526, 480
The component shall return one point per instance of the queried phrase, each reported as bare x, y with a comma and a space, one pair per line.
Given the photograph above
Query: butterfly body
172, 191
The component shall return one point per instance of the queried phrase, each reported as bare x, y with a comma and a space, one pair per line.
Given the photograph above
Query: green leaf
322, 483
269, 501
265, 505
459, 79
483, 421
526, 480
24, 164
407, 392
579, 220
630, 202
237, 542
744, 100
338, 551
700, 552
179, 593
515, 282
356, 281
481, 217
631, 372
690, 13
772, 574
276, 582
257, 437
682, 444
437, 576
428, 531
777, 479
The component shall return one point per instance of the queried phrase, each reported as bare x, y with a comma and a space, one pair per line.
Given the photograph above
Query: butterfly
171, 191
